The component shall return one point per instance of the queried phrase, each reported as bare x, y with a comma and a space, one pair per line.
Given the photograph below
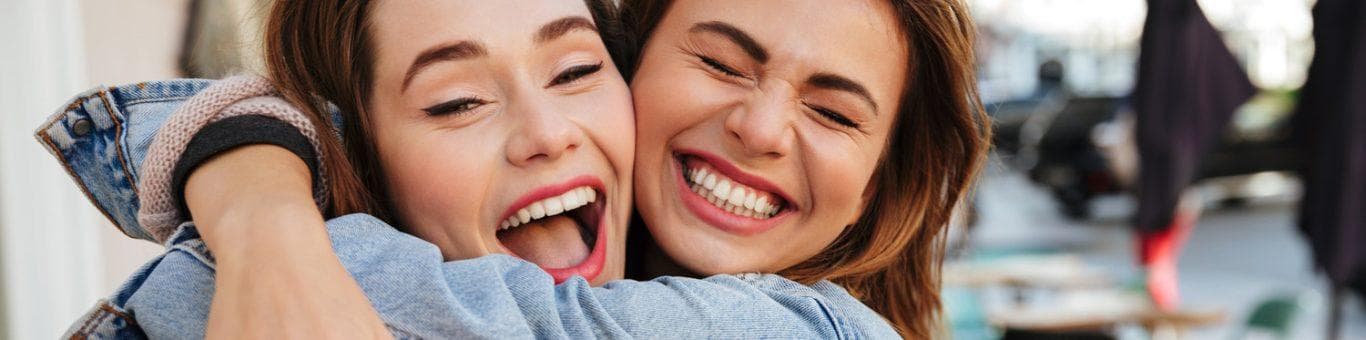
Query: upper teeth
573, 199
730, 195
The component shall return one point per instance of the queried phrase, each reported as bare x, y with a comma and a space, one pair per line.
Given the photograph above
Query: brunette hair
319, 56
891, 258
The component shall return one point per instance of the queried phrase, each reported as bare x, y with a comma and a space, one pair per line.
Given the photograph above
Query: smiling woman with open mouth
492, 151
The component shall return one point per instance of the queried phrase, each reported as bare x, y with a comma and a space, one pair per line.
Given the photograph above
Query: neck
645, 260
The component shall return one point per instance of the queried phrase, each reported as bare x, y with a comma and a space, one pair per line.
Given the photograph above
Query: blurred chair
966, 315
1273, 318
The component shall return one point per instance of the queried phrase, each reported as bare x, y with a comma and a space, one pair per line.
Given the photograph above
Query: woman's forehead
405, 33
417, 24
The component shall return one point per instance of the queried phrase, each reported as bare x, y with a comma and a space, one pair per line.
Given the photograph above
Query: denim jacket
101, 137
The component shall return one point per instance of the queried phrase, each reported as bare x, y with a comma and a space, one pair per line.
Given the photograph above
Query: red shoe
1158, 252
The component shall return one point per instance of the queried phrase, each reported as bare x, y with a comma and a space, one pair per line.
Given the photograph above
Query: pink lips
725, 221
592, 266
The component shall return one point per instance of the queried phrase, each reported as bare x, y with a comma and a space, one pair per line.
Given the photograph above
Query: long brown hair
891, 258
319, 56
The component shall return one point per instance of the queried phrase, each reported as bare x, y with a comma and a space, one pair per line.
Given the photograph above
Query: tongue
552, 242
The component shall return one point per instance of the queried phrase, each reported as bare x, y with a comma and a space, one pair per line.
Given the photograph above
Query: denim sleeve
419, 296
101, 137
499, 296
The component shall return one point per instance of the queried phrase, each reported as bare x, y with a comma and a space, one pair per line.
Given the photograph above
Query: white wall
47, 250
58, 255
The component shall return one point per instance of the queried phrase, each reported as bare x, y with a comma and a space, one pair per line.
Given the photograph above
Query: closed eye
455, 106
575, 73
834, 116
719, 67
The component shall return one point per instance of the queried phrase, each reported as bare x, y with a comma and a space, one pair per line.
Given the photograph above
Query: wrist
273, 234
255, 198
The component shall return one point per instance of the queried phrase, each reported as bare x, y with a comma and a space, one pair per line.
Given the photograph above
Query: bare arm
277, 273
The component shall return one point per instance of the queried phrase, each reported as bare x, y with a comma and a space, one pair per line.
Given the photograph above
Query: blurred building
1097, 42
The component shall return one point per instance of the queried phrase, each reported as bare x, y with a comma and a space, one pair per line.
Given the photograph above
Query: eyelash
719, 67
463, 105
455, 106
834, 116
575, 73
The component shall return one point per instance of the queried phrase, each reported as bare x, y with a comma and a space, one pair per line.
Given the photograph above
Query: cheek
672, 98
839, 173
610, 122
429, 180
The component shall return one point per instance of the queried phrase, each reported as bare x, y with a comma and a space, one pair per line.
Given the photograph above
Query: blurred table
1078, 300
1054, 271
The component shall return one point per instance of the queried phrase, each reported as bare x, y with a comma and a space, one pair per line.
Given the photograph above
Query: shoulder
823, 309
848, 316
858, 318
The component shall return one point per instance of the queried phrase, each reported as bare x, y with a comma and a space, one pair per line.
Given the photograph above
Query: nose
543, 134
763, 126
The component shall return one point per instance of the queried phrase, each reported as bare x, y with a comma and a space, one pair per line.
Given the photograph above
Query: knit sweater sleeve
161, 207
228, 134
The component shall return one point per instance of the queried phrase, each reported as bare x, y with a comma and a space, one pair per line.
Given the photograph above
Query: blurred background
1045, 249
58, 254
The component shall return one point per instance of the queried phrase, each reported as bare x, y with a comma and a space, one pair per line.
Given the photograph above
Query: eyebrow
736, 35
560, 27
460, 50
841, 83
467, 49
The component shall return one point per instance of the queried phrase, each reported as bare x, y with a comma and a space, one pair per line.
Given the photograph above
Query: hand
277, 276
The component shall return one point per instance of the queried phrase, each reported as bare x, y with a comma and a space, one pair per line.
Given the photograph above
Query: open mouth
559, 229
728, 198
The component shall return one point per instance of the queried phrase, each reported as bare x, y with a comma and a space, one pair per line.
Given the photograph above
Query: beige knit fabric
235, 96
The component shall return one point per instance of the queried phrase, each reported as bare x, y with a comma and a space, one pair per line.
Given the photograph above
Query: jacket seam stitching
132, 322
118, 139
84, 332
87, 326
156, 100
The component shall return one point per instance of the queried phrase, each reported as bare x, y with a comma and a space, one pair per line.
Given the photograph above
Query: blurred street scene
1056, 244
1242, 253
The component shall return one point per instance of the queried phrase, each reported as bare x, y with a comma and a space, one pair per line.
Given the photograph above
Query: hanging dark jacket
1330, 127
1188, 86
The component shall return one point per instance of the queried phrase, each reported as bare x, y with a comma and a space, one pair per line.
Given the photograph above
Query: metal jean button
82, 127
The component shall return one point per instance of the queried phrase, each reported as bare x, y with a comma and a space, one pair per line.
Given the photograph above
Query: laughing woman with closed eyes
828, 147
